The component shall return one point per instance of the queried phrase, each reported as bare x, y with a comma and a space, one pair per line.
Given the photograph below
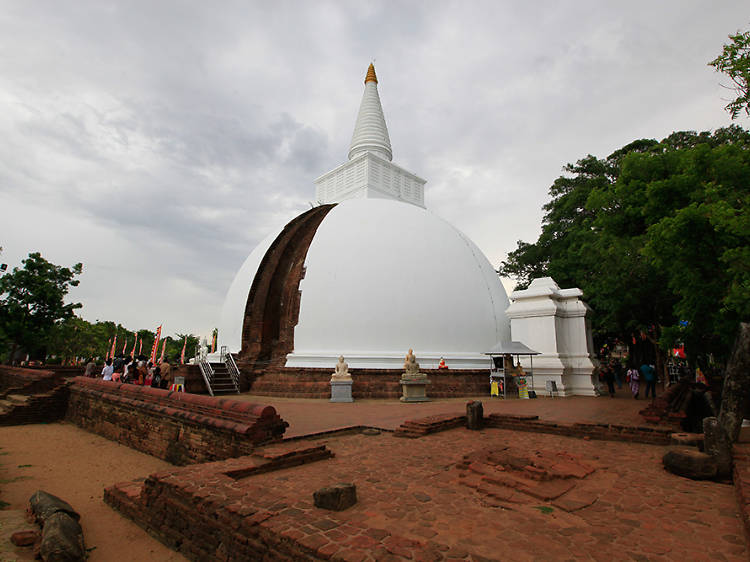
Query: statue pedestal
414, 388
341, 390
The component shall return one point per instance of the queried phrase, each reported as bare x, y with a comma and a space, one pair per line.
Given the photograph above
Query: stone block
474, 415
686, 439
336, 498
44, 505
690, 463
62, 539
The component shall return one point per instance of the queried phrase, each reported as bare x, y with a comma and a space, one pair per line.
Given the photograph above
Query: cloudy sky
158, 142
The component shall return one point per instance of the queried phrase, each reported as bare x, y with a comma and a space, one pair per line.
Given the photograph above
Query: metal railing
208, 373
232, 368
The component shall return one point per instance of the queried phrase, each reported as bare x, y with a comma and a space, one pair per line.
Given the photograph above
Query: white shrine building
370, 273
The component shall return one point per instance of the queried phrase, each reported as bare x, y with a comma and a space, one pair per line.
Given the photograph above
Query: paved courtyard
311, 416
458, 494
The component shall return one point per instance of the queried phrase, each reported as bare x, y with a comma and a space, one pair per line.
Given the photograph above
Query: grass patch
544, 508
3, 504
16, 479
24, 465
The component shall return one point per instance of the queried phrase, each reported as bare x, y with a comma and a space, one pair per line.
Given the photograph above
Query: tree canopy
734, 61
32, 301
657, 235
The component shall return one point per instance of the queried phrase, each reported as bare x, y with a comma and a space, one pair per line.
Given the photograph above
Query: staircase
221, 382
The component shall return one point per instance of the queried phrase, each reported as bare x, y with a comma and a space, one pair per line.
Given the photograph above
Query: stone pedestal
341, 390
414, 388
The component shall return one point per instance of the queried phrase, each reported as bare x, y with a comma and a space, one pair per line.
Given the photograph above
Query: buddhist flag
213, 343
125, 345
163, 349
140, 347
156, 345
114, 345
134, 344
182, 355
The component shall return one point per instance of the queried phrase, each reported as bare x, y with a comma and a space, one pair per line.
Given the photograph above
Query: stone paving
307, 416
494, 494
418, 489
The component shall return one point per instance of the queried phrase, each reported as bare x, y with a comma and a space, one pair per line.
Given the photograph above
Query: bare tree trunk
736, 385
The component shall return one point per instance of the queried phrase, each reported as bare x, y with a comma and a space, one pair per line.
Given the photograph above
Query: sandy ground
75, 465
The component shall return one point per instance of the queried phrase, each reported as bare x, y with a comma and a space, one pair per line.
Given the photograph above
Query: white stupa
368, 274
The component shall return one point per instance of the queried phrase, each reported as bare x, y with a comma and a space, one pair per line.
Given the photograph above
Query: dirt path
76, 466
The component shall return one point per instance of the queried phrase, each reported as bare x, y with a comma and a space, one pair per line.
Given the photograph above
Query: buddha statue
341, 372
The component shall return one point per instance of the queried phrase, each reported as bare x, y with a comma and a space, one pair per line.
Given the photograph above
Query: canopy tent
498, 371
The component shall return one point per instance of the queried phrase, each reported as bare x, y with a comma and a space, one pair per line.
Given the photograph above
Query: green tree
656, 233
32, 301
734, 61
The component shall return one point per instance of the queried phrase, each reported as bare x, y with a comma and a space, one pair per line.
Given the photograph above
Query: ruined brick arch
272, 309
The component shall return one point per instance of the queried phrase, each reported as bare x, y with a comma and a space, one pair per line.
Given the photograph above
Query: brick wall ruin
178, 427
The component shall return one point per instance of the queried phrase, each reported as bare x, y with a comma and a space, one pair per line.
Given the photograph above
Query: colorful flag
156, 345
163, 349
140, 347
125, 345
114, 345
213, 343
182, 355
134, 344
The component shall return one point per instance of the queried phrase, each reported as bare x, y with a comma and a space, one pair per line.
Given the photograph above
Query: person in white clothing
107, 371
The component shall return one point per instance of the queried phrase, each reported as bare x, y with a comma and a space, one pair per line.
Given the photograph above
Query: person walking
649, 375
635, 382
619, 372
608, 373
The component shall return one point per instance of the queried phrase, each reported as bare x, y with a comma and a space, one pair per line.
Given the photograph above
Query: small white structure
553, 322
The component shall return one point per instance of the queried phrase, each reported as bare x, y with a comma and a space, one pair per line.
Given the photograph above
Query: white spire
369, 172
370, 132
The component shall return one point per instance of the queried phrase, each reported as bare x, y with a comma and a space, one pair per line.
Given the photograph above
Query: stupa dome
369, 273
380, 277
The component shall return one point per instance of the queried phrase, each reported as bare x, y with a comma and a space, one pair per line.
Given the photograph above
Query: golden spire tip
371, 75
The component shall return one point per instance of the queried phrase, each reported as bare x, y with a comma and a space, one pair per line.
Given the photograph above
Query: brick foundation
215, 512
17, 380
370, 383
178, 427
31, 396
200, 512
608, 432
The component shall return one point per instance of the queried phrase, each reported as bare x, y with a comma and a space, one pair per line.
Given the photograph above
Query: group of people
613, 371
138, 370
